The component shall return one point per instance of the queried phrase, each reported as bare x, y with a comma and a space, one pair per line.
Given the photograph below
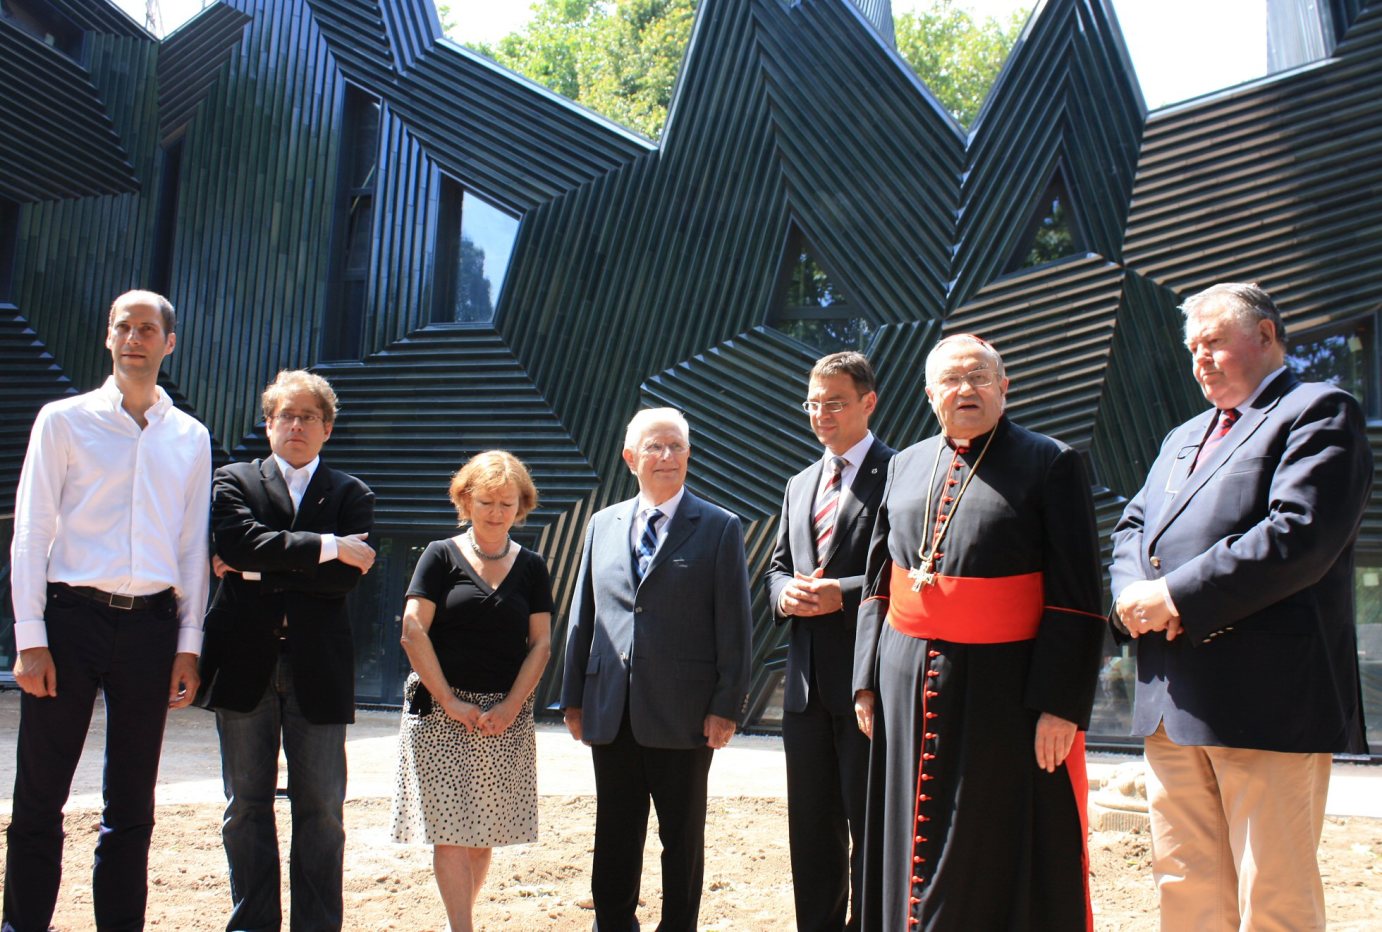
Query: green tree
957, 55
621, 57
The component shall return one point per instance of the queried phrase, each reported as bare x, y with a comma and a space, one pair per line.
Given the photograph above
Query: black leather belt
126, 603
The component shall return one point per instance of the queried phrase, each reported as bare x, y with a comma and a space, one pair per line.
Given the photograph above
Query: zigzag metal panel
190, 59
29, 379
69, 147
645, 274
1066, 98
1276, 183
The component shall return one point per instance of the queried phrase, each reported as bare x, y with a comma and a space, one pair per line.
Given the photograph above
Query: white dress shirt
640, 520
102, 503
853, 457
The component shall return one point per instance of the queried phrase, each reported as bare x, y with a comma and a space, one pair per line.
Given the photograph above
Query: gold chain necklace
925, 575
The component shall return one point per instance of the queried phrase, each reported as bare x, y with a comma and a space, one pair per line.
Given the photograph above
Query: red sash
967, 609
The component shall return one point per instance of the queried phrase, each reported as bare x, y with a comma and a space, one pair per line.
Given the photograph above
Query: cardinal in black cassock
976, 663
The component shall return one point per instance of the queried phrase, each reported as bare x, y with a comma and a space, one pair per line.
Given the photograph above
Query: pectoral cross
922, 575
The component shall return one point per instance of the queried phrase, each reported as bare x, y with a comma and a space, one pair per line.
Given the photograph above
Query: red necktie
823, 522
1226, 421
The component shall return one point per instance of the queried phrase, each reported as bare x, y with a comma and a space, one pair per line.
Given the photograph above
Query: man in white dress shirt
109, 577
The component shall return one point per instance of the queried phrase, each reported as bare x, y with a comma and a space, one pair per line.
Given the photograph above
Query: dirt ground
543, 886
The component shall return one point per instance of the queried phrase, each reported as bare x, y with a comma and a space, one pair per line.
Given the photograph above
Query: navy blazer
254, 528
1256, 547
826, 642
674, 647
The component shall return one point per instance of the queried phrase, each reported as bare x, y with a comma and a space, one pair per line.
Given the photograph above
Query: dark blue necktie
647, 544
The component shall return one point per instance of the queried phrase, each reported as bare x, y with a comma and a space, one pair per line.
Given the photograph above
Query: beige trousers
1234, 836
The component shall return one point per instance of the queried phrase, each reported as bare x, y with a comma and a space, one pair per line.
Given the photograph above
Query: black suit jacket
254, 529
1256, 547
826, 641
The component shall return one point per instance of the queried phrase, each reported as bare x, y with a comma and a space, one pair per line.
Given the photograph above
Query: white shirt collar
668, 508
286, 470
111, 392
855, 454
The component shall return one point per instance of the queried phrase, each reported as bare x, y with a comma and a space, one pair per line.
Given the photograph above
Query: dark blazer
254, 529
1256, 547
827, 641
674, 647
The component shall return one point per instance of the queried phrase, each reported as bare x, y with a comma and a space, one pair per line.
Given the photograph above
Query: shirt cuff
29, 634
252, 575
1166, 595
329, 548
190, 641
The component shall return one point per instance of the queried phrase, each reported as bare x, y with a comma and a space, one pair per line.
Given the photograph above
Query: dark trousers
827, 781
627, 776
128, 656
316, 791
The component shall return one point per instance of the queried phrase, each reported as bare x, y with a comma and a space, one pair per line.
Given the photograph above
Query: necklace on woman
475, 547
925, 574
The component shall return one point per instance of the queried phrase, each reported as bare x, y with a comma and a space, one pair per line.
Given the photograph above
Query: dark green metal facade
645, 274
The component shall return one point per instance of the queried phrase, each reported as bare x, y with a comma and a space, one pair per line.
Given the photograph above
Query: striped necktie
827, 503
1227, 419
647, 543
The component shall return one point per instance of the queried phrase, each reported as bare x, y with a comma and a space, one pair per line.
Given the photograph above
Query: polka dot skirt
458, 788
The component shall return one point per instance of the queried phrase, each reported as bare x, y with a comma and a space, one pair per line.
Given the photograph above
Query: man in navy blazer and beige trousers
657, 670
815, 582
1233, 568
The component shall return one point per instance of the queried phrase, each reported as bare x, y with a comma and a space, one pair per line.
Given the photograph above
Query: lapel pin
873, 471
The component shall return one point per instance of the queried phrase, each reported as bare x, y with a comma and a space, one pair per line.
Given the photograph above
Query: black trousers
128, 656
827, 782
627, 776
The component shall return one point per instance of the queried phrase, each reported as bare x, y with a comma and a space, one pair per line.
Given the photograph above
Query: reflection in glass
474, 244
813, 308
1367, 593
1341, 357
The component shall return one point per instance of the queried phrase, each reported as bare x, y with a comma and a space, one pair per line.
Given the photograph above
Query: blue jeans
316, 791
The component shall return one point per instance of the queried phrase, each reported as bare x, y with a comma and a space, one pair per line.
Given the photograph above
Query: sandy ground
546, 885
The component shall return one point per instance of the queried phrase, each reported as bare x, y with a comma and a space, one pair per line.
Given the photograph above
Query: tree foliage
956, 54
621, 57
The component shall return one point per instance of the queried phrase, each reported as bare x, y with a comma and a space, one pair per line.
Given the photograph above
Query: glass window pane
1343, 357
1368, 610
487, 238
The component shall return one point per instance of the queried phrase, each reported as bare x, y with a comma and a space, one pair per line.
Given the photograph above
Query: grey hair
984, 346
1246, 302
649, 418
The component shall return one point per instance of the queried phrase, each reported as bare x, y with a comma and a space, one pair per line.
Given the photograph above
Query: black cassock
964, 831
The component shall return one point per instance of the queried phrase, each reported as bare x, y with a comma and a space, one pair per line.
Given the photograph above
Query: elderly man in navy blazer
1233, 569
657, 670
815, 581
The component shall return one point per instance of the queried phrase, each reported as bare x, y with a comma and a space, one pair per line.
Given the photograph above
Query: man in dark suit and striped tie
657, 670
814, 583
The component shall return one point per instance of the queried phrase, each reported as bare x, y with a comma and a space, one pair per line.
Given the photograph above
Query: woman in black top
477, 630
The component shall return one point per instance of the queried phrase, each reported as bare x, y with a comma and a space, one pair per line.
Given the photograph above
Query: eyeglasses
976, 378
308, 420
829, 407
655, 449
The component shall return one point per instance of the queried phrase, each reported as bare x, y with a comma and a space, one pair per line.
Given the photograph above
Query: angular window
811, 305
45, 23
474, 244
1342, 355
344, 320
9, 241
1053, 232
165, 218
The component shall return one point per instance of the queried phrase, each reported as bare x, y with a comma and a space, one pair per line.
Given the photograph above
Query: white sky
1180, 48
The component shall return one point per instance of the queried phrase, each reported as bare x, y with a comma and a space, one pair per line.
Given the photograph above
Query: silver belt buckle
122, 602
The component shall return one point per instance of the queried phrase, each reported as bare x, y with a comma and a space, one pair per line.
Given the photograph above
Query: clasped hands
1144, 607
496, 721
809, 596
